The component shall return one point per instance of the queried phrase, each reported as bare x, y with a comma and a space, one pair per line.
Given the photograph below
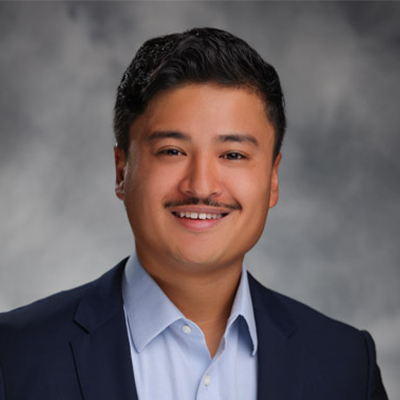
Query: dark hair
199, 55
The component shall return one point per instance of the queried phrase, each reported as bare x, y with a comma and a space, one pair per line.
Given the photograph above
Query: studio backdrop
332, 241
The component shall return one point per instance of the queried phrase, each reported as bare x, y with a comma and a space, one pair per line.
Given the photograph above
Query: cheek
150, 187
250, 189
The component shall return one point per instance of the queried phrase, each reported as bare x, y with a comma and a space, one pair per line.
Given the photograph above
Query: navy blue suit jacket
74, 345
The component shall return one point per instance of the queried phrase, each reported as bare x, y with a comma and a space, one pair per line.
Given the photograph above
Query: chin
201, 262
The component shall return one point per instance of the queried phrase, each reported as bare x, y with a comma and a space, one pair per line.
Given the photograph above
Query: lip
199, 225
199, 210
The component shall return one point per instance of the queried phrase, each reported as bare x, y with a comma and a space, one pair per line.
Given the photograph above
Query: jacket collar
102, 353
280, 352
102, 300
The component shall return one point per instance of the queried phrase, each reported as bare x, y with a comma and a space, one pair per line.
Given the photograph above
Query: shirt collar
147, 307
149, 311
243, 306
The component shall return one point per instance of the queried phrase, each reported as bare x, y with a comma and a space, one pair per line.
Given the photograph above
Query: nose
201, 179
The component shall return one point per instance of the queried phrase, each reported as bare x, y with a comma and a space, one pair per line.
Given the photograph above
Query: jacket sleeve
375, 390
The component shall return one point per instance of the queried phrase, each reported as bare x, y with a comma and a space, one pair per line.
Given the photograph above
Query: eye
233, 156
170, 152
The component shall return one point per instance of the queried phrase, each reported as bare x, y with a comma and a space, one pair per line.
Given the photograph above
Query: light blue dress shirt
169, 353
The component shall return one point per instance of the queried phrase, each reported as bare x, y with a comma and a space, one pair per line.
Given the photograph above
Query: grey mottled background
332, 242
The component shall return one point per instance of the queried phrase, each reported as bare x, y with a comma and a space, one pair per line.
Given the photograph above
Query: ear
274, 189
120, 168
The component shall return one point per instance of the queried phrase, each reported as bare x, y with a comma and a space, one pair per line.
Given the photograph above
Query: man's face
200, 176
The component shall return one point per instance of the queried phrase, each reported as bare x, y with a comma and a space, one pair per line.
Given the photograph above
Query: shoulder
319, 333
54, 315
339, 360
50, 315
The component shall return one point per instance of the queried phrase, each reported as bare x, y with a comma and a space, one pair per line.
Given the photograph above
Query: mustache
191, 201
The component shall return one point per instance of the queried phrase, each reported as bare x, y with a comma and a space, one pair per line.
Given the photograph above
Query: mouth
198, 215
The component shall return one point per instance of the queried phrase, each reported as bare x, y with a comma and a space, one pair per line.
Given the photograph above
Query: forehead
204, 110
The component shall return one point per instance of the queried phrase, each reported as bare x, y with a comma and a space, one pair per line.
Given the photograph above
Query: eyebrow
233, 137
158, 135
239, 138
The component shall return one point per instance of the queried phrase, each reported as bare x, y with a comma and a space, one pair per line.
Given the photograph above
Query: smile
195, 215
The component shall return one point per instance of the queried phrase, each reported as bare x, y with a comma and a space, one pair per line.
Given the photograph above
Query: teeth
194, 215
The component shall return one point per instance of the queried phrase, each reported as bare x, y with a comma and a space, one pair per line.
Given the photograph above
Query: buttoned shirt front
169, 353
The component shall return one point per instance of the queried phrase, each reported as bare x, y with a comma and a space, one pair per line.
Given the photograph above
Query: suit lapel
280, 354
102, 354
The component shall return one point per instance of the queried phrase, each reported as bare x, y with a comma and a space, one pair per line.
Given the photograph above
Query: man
199, 123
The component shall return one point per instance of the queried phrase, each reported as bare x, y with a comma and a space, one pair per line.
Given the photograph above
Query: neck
205, 298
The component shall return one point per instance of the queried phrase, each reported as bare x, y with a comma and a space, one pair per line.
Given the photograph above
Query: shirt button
207, 380
187, 329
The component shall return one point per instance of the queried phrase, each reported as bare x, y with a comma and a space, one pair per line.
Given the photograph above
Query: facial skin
205, 150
